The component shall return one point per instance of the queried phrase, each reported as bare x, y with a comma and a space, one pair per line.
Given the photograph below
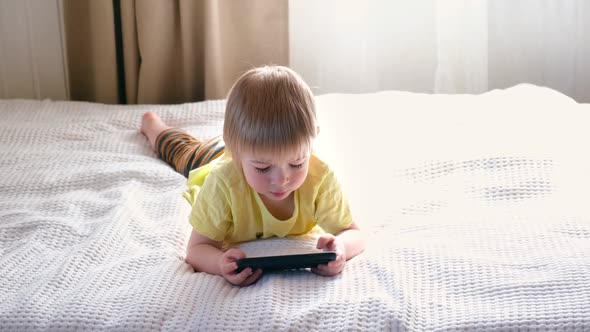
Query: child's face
275, 177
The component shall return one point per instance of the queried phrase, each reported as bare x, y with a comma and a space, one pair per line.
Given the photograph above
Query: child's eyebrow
300, 158
254, 161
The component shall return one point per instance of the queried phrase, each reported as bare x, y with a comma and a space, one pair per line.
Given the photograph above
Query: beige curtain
170, 51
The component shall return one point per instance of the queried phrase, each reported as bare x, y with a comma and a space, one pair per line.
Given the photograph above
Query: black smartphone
286, 262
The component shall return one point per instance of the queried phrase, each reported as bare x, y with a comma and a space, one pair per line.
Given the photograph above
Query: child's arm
205, 255
347, 244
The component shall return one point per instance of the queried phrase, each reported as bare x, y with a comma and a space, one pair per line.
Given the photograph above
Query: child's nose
281, 178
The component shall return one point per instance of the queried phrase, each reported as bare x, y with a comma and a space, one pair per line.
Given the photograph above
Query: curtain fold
131, 58
441, 46
173, 51
177, 51
91, 53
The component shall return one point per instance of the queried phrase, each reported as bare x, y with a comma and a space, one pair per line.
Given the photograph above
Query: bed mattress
475, 208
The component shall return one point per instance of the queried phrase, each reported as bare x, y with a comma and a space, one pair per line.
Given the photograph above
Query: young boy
266, 183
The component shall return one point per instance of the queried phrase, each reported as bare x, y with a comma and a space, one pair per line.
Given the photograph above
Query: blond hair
269, 109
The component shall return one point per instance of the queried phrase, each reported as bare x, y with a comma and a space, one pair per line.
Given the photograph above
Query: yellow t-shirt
225, 208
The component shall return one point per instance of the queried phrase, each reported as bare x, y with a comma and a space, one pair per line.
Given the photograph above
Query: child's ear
317, 130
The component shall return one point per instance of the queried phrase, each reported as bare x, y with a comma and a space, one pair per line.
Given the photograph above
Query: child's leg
152, 126
180, 150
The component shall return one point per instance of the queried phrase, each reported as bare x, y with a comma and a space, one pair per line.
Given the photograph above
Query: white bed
476, 209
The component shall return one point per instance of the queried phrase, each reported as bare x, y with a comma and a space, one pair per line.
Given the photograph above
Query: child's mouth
279, 194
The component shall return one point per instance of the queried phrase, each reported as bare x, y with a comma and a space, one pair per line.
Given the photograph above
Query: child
266, 183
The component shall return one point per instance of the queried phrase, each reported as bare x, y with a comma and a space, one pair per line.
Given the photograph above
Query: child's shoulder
227, 171
316, 161
318, 168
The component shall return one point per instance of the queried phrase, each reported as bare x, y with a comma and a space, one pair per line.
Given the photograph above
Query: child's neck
283, 209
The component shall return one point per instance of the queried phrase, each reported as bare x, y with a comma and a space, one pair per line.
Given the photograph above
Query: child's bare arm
205, 255
353, 240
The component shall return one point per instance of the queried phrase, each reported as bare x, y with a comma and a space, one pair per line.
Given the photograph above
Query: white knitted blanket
476, 211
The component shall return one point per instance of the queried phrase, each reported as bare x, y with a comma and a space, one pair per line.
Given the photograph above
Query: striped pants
184, 152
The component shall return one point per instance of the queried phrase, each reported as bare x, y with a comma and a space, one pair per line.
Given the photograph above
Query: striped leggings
184, 152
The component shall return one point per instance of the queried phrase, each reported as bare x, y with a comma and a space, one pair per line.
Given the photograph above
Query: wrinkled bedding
475, 209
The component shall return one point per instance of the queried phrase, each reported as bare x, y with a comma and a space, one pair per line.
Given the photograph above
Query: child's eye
296, 166
262, 170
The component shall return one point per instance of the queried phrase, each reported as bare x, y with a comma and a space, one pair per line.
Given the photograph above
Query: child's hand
228, 266
331, 243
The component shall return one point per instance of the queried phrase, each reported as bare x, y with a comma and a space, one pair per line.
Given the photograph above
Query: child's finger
325, 242
245, 273
235, 254
329, 269
238, 278
252, 278
321, 270
230, 268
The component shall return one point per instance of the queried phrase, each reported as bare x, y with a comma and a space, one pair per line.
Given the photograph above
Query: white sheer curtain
450, 46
